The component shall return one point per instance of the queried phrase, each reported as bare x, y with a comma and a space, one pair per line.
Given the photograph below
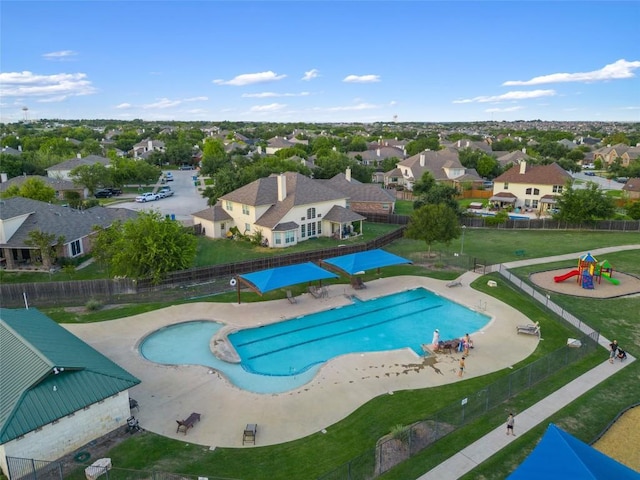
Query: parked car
103, 193
165, 191
186, 167
147, 197
590, 174
169, 176
622, 179
114, 191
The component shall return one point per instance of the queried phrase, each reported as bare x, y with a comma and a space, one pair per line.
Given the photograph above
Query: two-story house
286, 209
144, 148
444, 165
529, 187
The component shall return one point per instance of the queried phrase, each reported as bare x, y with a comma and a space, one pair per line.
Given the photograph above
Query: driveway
603, 183
186, 199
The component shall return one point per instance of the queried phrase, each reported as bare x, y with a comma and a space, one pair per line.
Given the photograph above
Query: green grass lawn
318, 454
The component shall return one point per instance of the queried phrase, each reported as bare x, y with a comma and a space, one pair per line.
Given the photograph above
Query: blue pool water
286, 355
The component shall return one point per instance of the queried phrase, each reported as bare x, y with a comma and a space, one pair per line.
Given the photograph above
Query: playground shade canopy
562, 456
274, 278
362, 261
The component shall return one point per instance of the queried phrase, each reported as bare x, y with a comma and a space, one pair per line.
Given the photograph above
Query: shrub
400, 432
92, 305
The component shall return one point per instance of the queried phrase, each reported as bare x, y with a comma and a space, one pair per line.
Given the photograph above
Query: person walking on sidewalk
510, 422
613, 348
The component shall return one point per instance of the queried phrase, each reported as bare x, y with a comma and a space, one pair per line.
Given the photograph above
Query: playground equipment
589, 270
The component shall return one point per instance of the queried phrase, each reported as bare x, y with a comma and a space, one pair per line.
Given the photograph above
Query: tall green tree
214, 156
90, 176
584, 204
32, 188
434, 223
45, 243
149, 246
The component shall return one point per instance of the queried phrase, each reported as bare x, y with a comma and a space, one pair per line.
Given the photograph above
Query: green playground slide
615, 281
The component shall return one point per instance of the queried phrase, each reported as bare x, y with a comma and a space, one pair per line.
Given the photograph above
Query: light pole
464, 227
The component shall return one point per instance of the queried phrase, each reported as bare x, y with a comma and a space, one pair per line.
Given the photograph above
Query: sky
320, 61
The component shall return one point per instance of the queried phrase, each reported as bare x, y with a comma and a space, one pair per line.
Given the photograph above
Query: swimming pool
285, 355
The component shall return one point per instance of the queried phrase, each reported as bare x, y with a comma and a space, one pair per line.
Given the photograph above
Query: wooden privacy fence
211, 279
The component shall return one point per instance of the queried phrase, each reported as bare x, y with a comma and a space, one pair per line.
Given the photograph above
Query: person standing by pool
435, 342
467, 344
461, 367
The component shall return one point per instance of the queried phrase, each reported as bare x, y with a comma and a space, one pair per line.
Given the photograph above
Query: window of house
311, 229
76, 248
278, 238
245, 209
311, 212
228, 206
536, 191
223, 226
534, 204
303, 232
319, 228
557, 189
247, 227
385, 206
528, 191
290, 236
506, 186
527, 203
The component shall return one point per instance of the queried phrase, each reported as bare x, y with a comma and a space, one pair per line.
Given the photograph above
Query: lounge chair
449, 346
357, 283
249, 434
315, 291
530, 329
290, 297
184, 425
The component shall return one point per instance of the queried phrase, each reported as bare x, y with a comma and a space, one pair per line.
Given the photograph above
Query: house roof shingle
552, 174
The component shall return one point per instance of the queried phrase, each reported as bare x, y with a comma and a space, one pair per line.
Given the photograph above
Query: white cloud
273, 95
613, 71
196, 99
502, 110
273, 107
251, 78
162, 103
123, 106
509, 96
61, 55
630, 108
311, 74
351, 108
58, 86
361, 79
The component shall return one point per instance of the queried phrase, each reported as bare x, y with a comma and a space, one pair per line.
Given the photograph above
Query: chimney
78, 155
524, 150
378, 152
422, 159
282, 187
150, 145
3, 177
523, 167
468, 143
19, 148
348, 174
459, 143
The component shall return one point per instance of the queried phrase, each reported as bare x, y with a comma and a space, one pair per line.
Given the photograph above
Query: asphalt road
186, 199
603, 183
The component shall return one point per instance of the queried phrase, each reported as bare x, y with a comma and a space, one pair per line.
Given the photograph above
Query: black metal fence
28, 469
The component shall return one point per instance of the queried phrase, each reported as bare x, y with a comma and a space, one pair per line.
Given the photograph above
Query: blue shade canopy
274, 278
362, 261
561, 456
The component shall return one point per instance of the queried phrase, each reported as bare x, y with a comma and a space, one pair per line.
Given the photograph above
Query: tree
633, 210
89, 176
149, 246
434, 223
45, 243
32, 188
487, 166
213, 156
421, 144
585, 204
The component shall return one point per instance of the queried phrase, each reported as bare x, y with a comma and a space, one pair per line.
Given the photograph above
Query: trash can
173, 216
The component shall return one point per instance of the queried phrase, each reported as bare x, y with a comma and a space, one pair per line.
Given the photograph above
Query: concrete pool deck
170, 393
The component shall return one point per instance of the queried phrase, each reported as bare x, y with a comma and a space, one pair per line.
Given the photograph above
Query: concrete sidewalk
469, 458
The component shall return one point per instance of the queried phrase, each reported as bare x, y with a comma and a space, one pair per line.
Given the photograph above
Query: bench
185, 425
249, 434
520, 253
